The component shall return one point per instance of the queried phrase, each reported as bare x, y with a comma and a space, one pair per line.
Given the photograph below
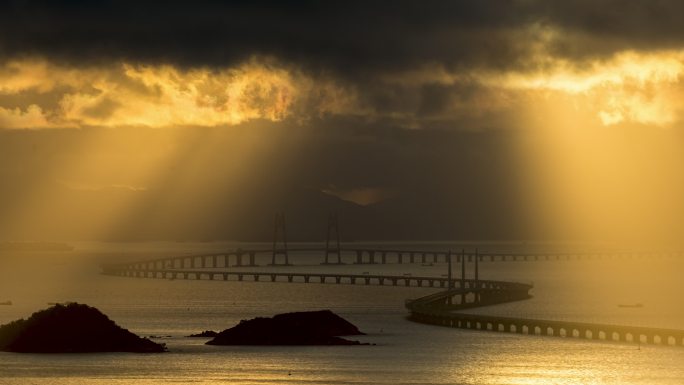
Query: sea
399, 351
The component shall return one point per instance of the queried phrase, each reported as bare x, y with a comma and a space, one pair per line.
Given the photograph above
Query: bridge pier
238, 258
284, 253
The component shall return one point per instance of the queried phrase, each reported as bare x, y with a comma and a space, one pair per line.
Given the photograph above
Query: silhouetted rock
206, 333
301, 328
71, 328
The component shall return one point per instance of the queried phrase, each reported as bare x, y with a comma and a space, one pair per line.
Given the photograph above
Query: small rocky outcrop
301, 328
71, 328
206, 333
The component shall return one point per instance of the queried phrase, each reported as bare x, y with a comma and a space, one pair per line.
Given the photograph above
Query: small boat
635, 305
6, 303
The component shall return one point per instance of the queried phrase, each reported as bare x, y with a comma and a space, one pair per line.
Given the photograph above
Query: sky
517, 119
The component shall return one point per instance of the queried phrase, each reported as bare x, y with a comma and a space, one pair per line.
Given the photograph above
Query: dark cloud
356, 36
348, 37
343, 36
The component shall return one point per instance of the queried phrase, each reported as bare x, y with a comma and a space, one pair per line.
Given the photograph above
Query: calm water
405, 352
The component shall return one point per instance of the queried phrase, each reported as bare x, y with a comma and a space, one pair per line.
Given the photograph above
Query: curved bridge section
445, 309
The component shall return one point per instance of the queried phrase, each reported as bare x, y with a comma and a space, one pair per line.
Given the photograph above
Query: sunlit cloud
165, 96
30, 117
630, 87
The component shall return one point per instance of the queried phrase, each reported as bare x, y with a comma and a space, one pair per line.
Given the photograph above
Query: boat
634, 305
6, 303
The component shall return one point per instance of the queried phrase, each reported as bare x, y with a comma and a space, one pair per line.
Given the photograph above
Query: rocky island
206, 333
301, 328
71, 328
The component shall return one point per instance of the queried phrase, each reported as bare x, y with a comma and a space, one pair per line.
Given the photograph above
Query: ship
631, 305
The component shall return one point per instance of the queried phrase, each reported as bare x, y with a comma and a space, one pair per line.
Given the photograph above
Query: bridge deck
338, 278
435, 310
369, 255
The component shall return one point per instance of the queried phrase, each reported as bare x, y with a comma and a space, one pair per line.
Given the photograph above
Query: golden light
600, 146
126, 94
629, 87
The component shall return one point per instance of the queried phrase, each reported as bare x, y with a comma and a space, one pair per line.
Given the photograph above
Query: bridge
333, 253
444, 308
357, 255
208, 274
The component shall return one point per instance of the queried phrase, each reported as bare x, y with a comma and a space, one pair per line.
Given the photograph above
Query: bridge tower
477, 276
332, 241
450, 281
463, 262
279, 249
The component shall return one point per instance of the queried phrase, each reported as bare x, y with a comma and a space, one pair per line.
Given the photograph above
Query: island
300, 328
71, 328
205, 334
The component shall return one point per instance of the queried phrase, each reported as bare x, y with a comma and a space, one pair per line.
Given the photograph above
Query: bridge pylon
463, 282
332, 241
279, 240
477, 276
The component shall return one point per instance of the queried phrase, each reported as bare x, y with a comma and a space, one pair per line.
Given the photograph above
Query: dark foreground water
404, 352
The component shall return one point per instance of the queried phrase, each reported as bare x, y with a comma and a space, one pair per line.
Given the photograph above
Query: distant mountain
35, 246
247, 213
